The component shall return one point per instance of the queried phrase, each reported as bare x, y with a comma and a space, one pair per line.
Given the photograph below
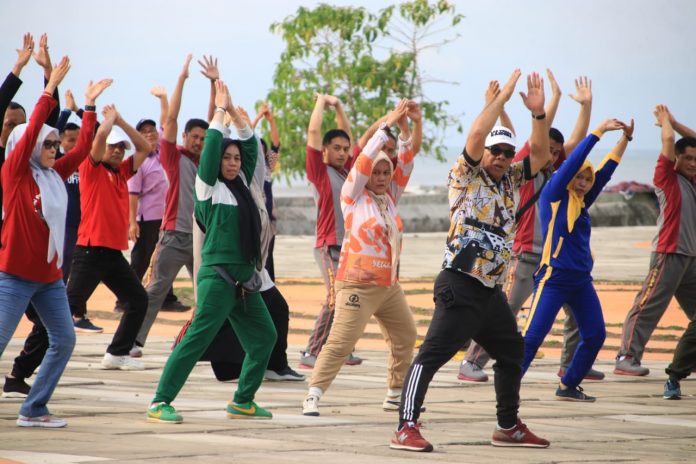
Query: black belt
485, 227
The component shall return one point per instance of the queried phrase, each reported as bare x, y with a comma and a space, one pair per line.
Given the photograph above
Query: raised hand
414, 111
492, 91
610, 125
583, 89
110, 114
555, 89
185, 69
628, 129
70, 101
41, 56
158, 91
534, 98
24, 53
244, 115
330, 100
95, 89
662, 115
397, 113
506, 91
58, 74
222, 95
210, 68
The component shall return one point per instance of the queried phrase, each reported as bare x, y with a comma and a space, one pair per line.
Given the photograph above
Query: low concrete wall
429, 212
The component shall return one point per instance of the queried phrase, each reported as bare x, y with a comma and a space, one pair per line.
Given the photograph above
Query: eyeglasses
496, 150
48, 144
119, 145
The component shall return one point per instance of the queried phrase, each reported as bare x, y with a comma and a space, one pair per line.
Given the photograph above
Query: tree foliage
368, 60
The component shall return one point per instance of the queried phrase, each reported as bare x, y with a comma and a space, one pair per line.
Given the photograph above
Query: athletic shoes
164, 414
283, 374
48, 421
125, 363
471, 372
409, 438
85, 325
175, 306
591, 375
573, 394
310, 406
672, 390
353, 360
630, 366
307, 360
15, 388
392, 403
519, 435
248, 410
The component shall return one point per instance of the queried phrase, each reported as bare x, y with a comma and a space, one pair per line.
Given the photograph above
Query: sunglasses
496, 150
119, 145
48, 144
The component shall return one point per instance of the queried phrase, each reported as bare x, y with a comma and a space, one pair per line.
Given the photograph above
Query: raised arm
171, 125
484, 122
314, 129
275, 135
491, 92
416, 117
583, 88
99, 144
606, 168
161, 94
539, 140
142, 146
23, 54
667, 134
341, 118
43, 59
680, 128
552, 105
212, 73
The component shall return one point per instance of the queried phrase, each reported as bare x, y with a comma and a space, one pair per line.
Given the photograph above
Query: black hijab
247, 211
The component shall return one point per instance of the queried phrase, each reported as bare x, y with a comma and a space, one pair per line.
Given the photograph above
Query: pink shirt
150, 184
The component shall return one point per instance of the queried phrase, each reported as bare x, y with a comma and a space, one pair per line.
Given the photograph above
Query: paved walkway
630, 422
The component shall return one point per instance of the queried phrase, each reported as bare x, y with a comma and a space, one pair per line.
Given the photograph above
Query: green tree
343, 51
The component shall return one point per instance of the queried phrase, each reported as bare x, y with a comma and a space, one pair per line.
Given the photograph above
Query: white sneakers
310, 406
125, 363
47, 421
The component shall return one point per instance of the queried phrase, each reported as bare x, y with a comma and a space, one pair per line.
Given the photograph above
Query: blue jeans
51, 303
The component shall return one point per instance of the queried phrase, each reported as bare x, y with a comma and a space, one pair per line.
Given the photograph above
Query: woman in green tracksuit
226, 211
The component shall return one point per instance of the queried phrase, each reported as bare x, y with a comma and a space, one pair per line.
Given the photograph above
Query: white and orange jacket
366, 254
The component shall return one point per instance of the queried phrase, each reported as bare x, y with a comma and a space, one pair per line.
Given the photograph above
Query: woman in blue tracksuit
566, 263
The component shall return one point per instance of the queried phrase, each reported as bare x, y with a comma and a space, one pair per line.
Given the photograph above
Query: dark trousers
280, 314
36, 344
684, 360
92, 265
465, 309
269, 260
142, 251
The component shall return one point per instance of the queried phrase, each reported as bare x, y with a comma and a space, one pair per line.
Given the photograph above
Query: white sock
394, 392
315, 391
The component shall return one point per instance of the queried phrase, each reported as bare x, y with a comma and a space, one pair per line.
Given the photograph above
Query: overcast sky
637, 52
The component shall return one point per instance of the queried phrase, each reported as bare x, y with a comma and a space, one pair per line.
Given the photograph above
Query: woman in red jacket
34, 206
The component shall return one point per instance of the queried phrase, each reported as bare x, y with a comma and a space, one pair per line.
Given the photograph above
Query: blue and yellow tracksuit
566, 262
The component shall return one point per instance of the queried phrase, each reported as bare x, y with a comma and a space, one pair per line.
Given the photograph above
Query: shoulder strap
531, 201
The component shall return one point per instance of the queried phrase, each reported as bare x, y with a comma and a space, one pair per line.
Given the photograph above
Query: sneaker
573, 394
519, 435
471, 372
15, 388
409, 438
136, 352
672, 390
353, 360
48, 421
248, 410
175, 306
307, 360
284, 374
630, 366
393, 403
85, 325
125, 363
591, 375
164, 414
310, 406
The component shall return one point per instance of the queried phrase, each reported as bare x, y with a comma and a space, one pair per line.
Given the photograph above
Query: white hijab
54, 197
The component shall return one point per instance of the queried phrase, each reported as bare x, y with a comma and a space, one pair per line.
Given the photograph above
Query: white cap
116, 136
500, 134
